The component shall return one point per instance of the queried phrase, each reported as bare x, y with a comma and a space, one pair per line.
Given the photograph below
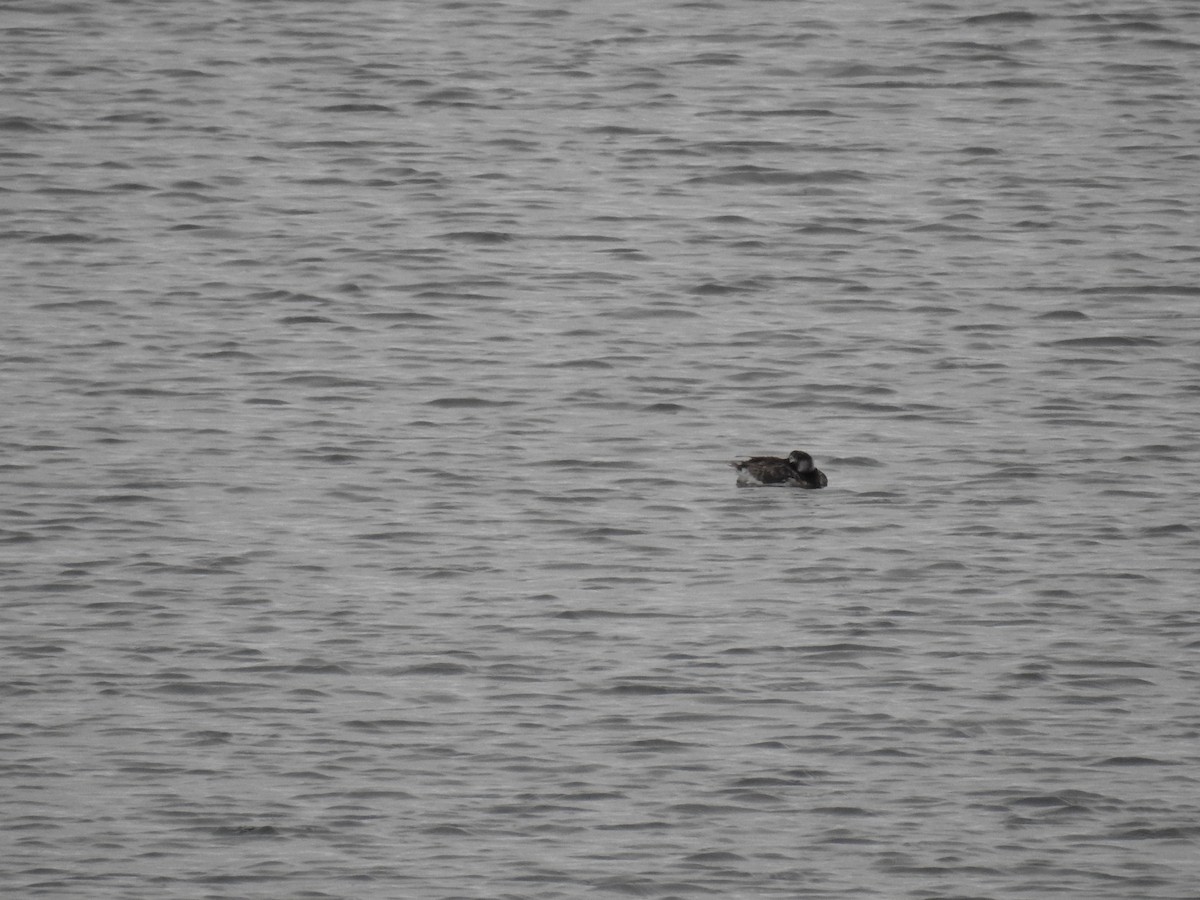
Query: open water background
369, 369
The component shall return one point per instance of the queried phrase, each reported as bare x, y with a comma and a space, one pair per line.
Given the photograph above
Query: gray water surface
370, 370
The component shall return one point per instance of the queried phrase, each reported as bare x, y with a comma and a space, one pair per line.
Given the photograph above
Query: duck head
800, 461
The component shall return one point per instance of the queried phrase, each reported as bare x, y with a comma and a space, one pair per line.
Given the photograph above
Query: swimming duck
795, 471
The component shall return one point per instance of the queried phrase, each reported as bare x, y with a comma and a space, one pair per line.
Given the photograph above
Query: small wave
478, 237
1013, 17
1111, 340
357, 108
750, 175
467, 403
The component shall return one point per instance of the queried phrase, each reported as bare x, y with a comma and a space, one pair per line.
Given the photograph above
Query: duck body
796, 470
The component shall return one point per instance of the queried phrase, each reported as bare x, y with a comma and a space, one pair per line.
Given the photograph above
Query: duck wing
766, 469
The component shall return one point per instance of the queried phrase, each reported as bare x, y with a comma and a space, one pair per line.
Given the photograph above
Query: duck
797, 470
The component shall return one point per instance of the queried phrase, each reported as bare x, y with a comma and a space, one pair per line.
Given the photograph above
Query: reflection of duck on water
795, 471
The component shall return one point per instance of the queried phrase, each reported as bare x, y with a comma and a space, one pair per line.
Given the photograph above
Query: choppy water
369, 372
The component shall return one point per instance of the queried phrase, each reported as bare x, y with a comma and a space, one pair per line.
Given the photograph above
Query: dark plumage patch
797, 470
